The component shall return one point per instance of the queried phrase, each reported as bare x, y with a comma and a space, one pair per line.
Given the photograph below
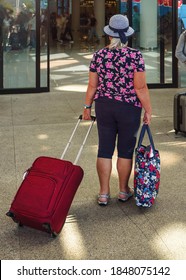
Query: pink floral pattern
115, 69
146, 176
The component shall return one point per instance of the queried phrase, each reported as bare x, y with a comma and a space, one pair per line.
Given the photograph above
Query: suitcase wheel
10, 214
54, 234
48, 229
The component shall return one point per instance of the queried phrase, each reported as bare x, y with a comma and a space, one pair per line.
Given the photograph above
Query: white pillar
148, 24
75, 19
99, 10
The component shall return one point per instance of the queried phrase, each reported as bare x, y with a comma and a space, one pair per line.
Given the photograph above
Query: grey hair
116, 43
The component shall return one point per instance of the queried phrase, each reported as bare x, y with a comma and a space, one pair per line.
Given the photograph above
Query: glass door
154, 32
181, 28
24, 46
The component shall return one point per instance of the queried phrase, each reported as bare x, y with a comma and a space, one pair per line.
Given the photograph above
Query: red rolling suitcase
48, 188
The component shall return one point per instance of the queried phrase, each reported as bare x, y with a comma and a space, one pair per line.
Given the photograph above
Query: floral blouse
115, 69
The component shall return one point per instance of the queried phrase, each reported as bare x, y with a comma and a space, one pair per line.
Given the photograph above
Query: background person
180, 52
117, 84
6, 30
67, 36
32, 31
92, 31
61, 21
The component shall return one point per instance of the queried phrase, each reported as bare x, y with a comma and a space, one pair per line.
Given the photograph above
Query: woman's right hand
87, 114
147, 118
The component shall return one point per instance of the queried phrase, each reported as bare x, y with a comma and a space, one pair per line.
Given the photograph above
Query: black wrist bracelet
87, 106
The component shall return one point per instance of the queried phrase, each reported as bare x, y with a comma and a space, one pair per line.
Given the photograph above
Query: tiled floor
34, 125
40, 124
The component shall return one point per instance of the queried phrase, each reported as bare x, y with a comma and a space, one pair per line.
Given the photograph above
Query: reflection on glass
19, 44
152, 22
43, 43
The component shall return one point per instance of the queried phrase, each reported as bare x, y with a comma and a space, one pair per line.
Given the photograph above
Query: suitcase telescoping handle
84, 141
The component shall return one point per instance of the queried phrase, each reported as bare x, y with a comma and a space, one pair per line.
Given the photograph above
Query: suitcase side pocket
37, 195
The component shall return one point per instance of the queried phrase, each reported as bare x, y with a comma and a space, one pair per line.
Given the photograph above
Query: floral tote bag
146, 171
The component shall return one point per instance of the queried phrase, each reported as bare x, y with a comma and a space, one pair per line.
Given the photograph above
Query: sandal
105, 197
126, 195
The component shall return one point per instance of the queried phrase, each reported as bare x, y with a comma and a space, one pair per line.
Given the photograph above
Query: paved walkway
40, 124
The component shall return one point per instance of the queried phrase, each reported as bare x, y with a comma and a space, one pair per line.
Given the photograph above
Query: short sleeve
92, 66
139, 63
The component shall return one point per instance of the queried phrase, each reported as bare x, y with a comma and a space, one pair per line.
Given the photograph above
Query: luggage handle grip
145, 128
93, 118
180, 115
179, 110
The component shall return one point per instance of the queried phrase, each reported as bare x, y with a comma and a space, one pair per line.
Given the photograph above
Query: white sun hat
119, 28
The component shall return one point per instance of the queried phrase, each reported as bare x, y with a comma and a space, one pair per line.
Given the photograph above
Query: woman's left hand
147, 118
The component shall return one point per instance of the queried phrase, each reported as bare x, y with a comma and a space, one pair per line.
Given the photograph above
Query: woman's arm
142, 92
91, 90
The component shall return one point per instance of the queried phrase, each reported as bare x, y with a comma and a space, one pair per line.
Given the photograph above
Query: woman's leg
104, 168
124, 167
127, 133
107, 132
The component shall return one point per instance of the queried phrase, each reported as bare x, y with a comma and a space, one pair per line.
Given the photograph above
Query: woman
118, 86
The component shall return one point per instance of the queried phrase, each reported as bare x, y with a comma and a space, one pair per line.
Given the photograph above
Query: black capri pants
116, 121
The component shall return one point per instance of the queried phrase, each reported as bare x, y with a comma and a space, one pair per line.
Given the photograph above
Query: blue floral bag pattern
146, 171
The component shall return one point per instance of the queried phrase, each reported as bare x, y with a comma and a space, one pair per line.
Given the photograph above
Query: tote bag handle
145, 128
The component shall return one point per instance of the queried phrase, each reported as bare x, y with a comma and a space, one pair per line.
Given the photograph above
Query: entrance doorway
155, 32
24, 46
181, 28
155, 24
25, 67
